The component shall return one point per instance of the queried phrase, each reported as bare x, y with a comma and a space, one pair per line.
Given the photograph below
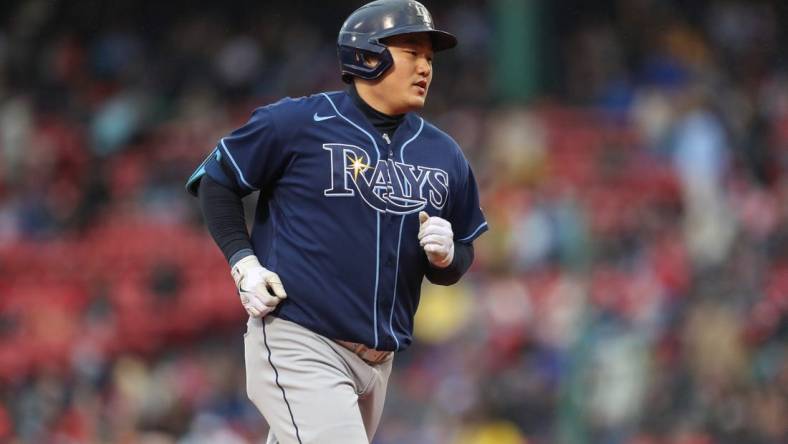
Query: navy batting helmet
362, 32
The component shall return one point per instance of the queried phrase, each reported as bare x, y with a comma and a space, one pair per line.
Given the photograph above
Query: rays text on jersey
394, 187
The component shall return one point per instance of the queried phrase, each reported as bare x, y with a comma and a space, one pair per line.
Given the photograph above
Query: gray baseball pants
309, 388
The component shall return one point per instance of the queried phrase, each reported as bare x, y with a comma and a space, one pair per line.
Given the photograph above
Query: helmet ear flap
368, 65
366, 59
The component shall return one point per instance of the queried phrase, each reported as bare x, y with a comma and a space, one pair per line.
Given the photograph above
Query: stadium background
633, 288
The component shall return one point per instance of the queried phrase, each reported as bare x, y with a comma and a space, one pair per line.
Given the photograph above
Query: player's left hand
260, 289
437, 239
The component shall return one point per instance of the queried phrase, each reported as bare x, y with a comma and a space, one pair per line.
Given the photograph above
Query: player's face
404, 86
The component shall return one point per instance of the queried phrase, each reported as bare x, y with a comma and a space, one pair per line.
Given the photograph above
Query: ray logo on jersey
388, 186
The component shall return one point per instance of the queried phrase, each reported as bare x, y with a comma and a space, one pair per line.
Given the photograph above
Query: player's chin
417, 101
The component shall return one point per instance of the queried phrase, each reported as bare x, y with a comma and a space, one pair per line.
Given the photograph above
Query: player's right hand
260, 289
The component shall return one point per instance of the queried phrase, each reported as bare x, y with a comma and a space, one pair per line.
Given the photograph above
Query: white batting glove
260, 289
437, 239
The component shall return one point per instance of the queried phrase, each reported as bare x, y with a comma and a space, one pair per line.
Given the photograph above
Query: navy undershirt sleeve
223, 211
463, 258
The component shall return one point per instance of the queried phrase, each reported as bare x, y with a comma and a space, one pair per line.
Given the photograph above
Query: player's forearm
223, 212
463, 258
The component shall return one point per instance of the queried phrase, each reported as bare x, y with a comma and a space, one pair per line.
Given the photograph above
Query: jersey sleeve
247, 159
465, 214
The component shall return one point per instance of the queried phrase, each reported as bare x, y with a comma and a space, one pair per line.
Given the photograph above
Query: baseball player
360, 199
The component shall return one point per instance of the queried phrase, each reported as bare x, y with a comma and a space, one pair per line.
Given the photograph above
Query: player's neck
365, 92
365, 106
382, 122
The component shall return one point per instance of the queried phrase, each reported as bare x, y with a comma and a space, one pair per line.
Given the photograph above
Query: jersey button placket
390, 235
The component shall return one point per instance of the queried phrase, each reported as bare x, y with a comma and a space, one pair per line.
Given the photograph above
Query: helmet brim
441, 40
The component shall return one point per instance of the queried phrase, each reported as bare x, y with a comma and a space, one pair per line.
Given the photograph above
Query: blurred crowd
633, 288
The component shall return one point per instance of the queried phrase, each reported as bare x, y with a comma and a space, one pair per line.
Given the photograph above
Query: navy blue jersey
337, 216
